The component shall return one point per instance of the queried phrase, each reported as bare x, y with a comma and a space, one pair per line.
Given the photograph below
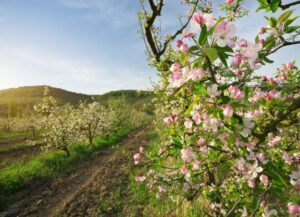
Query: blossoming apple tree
229, 137
93, 120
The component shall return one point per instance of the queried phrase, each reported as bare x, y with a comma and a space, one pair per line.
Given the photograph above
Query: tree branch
148, 28
156, 11
260, 200
285, 43
286, 6
171, 38
281, 116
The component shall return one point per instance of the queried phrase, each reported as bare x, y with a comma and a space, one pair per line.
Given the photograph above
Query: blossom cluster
229, 135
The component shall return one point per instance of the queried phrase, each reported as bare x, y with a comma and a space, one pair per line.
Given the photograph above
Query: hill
18, 101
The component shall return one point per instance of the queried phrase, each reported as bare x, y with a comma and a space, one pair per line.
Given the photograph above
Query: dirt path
97, 187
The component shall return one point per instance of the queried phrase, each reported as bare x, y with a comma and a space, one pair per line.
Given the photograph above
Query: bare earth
97, 187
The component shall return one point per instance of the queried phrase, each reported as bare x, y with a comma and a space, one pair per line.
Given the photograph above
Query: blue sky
88, 46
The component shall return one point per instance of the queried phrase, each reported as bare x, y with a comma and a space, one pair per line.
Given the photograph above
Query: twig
285, 43
286, 6
260, 200
233, 208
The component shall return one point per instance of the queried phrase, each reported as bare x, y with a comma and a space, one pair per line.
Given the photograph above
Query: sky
91, 46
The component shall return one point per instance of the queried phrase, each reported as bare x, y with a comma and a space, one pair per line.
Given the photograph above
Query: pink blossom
188, 33
175, 67
243, 43
136, 158
254, 169
274, 141
229, 2
139, 178
196, 165
250, 146
262, 30
269, 213
176, 80
227, 111
188, 124
295, 179
213, 91
184, 170
287, 158
196, 117
198, 18
236, 60
248, 125
251, 52
282, 76
184, 48
290, 66
272, 94
264, 179
168, 120
236, 92
241, 165
162, 188
261, 157
261, 40
251, 183
201, 142
294, 209
209, 20
179, 43
239, 72
187, 154
224, 33
196, 74
141, 149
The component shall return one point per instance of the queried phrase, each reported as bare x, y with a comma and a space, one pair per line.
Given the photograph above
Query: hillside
133, 97
21, 100
18, 101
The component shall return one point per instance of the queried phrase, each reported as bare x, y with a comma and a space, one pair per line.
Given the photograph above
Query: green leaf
177, 141
194, 48
226, 49
222, 55
272, 22
199, 90
211, 53
267, 60
184, 58
274, 5
283, 17
255, 201
291, 29
225, 99
288, 22
203, 35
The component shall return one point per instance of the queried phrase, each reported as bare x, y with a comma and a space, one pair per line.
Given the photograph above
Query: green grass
18, 175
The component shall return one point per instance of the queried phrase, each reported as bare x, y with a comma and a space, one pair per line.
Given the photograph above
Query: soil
97, 187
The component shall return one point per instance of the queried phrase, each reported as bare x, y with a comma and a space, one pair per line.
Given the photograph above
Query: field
57, 182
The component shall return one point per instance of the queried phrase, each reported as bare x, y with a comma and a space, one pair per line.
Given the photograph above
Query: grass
19, 175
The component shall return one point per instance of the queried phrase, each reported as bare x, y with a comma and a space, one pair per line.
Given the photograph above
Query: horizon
61, 88
83, 47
